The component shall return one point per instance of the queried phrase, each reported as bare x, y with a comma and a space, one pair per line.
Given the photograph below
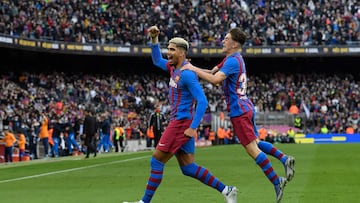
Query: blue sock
156, 175
267, 168
203, 175
268, 148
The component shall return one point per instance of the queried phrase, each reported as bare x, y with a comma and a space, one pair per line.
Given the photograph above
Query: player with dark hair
232, 73
178, 137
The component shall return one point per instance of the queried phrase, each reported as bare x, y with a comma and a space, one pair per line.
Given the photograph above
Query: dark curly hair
238, 35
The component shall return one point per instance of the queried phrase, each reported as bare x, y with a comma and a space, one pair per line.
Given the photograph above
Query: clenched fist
154, 31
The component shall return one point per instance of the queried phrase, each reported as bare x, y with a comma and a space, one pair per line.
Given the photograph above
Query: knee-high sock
268, 148
156, 175
203, 175
267, 168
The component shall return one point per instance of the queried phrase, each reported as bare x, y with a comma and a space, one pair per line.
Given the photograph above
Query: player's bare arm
217, 78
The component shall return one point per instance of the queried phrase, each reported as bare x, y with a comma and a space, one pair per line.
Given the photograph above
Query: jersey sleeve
230, 66
157, 58
191, 81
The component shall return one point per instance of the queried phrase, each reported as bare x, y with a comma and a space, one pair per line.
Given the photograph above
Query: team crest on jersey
173, 83
174, 79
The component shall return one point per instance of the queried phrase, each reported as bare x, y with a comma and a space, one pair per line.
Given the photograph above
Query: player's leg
265, 164
161, 156
185, 158
270, 149
267, 147
157, 163
245, 130
286, 160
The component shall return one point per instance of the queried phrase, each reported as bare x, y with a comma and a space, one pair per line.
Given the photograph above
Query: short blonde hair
180, 42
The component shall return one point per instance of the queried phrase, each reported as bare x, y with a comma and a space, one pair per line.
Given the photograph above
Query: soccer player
178, 137
232, 73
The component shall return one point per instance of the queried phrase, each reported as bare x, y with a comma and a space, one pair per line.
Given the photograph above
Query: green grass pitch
324, 173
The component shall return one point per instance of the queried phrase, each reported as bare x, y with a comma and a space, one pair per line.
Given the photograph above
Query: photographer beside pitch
232, 73
178, 138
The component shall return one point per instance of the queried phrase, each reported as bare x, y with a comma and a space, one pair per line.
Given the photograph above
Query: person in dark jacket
157, 120
90, 132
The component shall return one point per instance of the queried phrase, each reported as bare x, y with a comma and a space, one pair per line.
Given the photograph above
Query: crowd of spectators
332, 100
293, 23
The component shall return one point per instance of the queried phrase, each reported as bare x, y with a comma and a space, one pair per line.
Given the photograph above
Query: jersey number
243, 85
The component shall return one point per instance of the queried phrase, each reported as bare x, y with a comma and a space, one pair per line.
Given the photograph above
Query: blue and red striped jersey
184, 90
235, 85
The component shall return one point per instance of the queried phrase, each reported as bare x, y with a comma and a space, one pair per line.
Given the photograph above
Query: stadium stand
291, 23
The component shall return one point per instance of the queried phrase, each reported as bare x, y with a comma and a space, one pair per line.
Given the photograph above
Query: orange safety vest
228, 134
211, 135
349, 130
262, 133
44, 131
9, 139
50, 131
22, 141
293, 109
150, 132
221, 133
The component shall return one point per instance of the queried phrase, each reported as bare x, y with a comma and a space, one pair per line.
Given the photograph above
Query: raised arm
156, 55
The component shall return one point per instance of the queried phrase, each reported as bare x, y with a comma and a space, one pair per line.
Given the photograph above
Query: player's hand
154, 31
190, 132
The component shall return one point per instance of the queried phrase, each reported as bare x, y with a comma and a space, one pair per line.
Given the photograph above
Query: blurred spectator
156, 123
263, 133
90, 132
33, 143
44, 134
119, 138
212, 136
349, 130
221, 135
291, 135
324, 130
22, 144
9, 140
293, 109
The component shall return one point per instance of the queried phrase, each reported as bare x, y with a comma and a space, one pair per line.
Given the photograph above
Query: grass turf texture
324, 173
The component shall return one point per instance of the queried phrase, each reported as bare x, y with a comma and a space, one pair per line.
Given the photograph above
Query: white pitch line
69, 170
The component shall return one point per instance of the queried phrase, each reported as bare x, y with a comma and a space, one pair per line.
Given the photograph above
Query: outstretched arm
216, 78
156, 56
